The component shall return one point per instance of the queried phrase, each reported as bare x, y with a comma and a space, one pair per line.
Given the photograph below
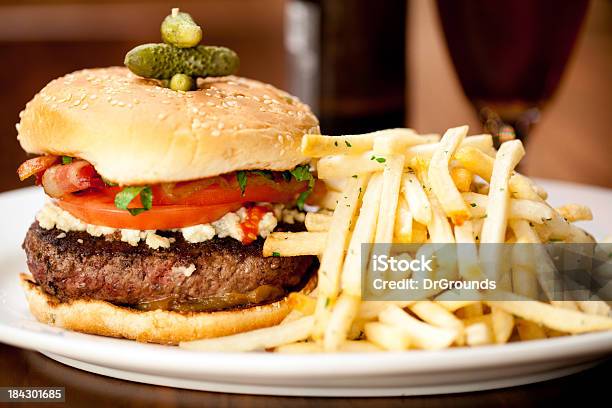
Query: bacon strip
62, 179
36, 165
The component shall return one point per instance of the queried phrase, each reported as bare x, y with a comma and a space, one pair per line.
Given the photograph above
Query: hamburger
159, 204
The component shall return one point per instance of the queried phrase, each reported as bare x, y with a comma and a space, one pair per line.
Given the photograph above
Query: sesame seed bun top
134, 131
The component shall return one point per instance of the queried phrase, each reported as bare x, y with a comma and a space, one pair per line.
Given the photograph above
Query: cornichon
181, 82
180, 30
162, 61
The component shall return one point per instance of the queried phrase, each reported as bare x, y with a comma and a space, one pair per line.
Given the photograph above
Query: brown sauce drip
259, 295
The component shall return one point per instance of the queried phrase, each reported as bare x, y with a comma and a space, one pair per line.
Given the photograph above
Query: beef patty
227, 273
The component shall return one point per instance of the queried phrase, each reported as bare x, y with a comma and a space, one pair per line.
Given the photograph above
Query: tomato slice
225, 189
96, 209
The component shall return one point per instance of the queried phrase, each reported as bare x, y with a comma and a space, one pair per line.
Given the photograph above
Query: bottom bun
157, 326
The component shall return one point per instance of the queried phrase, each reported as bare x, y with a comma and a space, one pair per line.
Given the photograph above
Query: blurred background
390, 65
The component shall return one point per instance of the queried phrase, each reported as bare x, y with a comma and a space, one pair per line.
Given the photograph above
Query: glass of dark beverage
510, 55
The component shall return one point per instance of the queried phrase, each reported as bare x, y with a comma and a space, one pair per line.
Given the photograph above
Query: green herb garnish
347, 144
66, 159
378, 159
264, 173
125, 197
241, 176
302, 173
109, 183
275, 254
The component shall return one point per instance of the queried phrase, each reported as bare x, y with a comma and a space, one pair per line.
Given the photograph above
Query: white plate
376, 374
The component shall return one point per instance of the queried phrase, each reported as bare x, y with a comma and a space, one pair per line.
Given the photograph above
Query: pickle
180, 30
182, 82
162, 61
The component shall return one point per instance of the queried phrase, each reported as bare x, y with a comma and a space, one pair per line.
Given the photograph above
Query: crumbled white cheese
229, 226
291, 216
185, 270
198, 233
277, 209
51, 216
99, 230
61, 235
266, 224
157, 241
80, 241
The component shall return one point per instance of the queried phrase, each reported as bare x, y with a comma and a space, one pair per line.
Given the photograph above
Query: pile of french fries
397, 186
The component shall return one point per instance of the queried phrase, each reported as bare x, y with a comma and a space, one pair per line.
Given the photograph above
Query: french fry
524, 280
440, 179
329, 200
333, 254
481, 164
301, 302
436, 315
415, 196
387, 337
339, 166
462, 178
356, 330
392, 176
453, 305
467, 252
565, 304
348, 166
336, 184
294, 243
478, 334
292, 316
439, 228
529, 210
369, 310
594, 307
529, 331
422, 335
317, 222
502, 324
256, 339
365, 228
565, 320
495, 224
419, 232
393, 143
575, 212
359, 346
319, 145
403, 223
472, 310
342, 316
494, 227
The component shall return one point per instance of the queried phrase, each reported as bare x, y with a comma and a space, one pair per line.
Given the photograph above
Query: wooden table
28, 368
